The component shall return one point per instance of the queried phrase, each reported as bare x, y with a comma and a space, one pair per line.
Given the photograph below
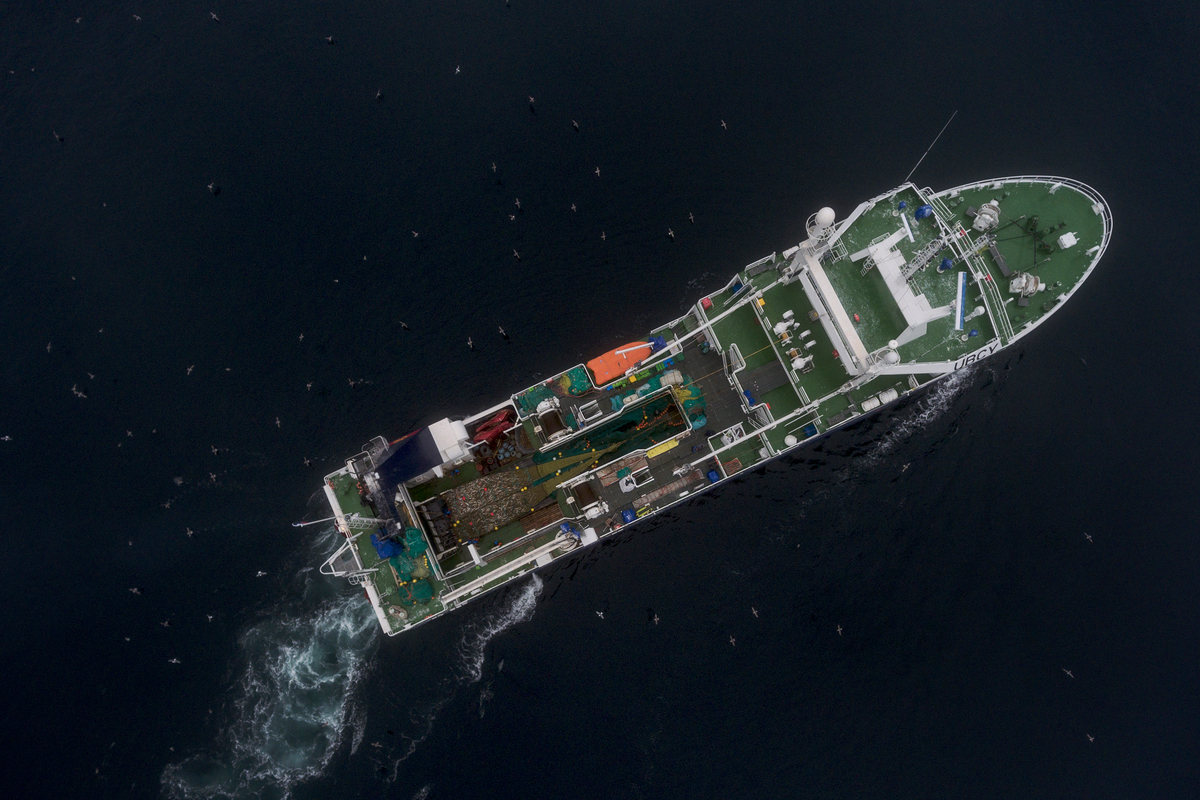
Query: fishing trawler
908, 288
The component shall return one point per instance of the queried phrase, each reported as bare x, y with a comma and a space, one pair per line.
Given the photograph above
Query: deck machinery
911, 286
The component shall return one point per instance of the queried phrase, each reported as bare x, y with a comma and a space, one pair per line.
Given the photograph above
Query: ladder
358, 521
922, 258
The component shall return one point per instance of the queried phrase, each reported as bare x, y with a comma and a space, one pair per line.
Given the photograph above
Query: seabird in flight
1069, 675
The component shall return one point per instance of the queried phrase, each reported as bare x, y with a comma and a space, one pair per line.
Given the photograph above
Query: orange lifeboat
612, 365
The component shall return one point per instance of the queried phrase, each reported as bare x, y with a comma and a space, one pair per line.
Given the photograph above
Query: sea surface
174, 354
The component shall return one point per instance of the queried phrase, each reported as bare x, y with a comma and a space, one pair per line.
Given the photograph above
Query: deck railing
991, 298
940, 208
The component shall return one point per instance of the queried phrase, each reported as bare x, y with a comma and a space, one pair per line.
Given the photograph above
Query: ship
909, 288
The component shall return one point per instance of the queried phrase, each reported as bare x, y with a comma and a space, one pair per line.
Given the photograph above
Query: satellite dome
826, 217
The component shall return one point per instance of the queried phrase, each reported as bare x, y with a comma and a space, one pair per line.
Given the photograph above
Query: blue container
628, 515
713, 476
924, 211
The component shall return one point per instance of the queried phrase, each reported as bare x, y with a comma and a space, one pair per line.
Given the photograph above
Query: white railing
991, 298
525, 561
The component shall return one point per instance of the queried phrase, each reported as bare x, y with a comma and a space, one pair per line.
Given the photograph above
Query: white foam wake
471, 655
517, 608
924, 411
293, 705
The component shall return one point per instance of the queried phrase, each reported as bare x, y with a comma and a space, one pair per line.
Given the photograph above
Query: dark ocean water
946, 537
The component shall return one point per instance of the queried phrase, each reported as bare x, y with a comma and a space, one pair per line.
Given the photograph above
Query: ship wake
292, 707
470, 658
517, 609
927, 409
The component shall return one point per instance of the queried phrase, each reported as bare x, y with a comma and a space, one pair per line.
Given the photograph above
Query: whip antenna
943, 130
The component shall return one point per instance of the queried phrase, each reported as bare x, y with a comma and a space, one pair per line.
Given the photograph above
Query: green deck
1064, 211
384, 580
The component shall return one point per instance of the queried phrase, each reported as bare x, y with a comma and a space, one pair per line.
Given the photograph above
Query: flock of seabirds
215, 190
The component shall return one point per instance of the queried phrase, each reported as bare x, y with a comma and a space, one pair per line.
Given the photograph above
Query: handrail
991, 297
